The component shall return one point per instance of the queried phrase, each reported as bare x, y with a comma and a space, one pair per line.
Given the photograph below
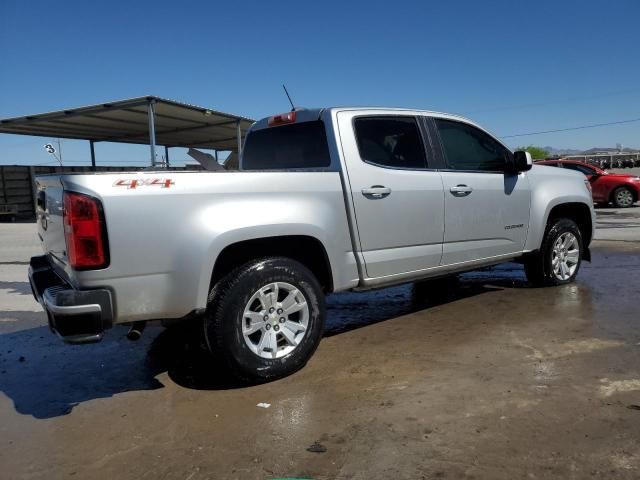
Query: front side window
468, 148
390, 142
299, 145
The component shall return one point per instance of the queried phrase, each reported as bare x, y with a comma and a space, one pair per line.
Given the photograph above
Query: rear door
397, 198
486, 209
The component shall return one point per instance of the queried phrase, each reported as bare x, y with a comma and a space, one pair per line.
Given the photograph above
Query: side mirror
522, 161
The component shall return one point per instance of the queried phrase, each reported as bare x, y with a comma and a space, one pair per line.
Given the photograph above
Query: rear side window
300, 145
390, 141
468, 148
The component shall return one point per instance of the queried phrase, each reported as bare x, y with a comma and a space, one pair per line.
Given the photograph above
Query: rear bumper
77, 316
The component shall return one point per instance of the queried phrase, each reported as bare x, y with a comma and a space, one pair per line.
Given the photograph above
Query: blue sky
513, 66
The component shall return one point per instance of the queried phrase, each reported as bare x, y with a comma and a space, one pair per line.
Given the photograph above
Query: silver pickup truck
326, 200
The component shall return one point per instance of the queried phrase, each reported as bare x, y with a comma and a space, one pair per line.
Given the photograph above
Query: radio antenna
293, 108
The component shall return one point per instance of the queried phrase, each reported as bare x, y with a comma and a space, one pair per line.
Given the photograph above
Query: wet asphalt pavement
479, 377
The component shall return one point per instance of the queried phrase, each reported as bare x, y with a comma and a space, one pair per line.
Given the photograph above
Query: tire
240, 302
541, 269
623, 197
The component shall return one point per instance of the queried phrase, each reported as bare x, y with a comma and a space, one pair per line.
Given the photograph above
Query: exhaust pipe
135, 332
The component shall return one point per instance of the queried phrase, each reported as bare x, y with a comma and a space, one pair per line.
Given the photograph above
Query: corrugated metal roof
126, 121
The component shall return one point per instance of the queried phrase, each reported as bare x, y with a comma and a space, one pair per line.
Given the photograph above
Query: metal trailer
8, 212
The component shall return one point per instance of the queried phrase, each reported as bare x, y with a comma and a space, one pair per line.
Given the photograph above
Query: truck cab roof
311, 114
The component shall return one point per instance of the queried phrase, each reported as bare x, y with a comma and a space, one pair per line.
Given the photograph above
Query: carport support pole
166, 156
239, 133
93, 156
152, 132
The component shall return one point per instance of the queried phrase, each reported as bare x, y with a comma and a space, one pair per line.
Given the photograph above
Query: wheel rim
565, 256
275, 320
624, 197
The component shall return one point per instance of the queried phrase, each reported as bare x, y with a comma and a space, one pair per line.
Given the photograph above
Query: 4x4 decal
132, 183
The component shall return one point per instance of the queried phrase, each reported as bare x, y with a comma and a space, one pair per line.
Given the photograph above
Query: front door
397, 200
486, 209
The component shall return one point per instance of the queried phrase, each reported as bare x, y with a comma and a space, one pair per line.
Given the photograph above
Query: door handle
376, 191
461, 190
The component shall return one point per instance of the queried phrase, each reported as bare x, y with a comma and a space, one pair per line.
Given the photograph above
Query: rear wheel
622, 197
265, 319
560, 255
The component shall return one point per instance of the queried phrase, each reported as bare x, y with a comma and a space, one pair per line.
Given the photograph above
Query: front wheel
560, 255
265, 319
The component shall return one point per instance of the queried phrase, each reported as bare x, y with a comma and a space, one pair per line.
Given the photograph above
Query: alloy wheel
275, 320
565, 256
624, 197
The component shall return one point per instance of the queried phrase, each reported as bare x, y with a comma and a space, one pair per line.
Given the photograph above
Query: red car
620, 189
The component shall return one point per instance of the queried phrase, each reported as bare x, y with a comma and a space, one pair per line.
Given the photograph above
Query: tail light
85, 232
282, 119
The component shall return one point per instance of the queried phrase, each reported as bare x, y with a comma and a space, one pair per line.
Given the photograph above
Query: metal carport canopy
130, 121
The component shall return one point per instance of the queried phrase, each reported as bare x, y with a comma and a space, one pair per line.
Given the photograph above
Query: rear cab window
392, 142
287, 147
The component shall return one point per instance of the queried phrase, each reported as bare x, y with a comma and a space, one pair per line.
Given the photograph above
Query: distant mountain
592, 151
562, 151
595, 150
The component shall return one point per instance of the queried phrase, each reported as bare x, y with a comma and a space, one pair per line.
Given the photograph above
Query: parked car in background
620, 189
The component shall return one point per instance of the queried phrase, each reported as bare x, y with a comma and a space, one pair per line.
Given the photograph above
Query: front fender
540, 211
551, 187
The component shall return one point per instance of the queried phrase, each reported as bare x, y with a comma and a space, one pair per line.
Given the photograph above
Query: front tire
265, 319
560, 255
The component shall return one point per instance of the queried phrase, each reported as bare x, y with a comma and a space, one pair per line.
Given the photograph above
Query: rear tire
623, 197
560, 255
264, 320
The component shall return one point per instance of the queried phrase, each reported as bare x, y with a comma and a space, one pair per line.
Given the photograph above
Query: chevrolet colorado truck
325, 200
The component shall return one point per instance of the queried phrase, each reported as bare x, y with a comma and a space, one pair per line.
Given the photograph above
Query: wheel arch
578, 212
558, 193
307, 250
